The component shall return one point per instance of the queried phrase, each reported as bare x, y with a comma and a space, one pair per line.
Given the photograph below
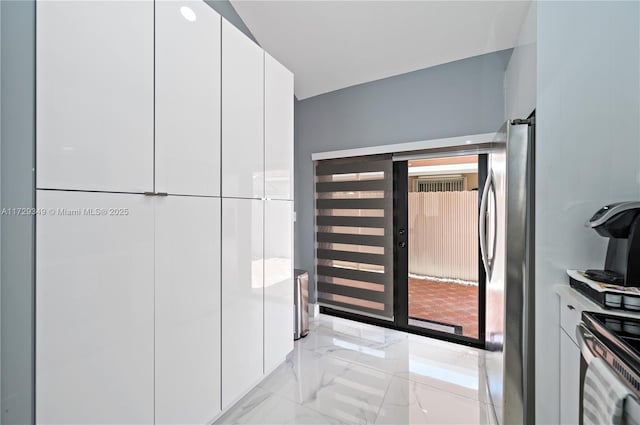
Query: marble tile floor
345, 372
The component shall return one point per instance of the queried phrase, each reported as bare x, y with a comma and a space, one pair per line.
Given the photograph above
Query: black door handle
402, 244
402, 231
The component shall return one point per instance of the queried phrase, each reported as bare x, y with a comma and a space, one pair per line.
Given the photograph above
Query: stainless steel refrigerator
506, 242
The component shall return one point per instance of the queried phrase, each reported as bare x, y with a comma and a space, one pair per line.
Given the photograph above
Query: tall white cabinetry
278, 238
278, 281
94, 309
164, 280
242, 292
187, 307
95, 95
187, 98
278, 130
242, 115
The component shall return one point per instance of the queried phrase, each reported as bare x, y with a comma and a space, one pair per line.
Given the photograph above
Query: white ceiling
335, 44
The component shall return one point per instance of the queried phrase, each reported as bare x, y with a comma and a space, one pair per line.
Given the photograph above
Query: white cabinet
242, 115
569, 380
94, 99
153, 309
187, 79
278, 282
571, 307
94, 308
187, 306
242, 297
278, 129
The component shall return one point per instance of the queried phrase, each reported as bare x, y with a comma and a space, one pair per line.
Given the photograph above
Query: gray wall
587, 154
455, 99
17, 155
224, 8
520, 77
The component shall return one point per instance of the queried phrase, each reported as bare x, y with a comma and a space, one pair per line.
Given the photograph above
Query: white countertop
582, 303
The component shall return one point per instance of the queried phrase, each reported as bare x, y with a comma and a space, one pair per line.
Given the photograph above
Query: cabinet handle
155, 194
570, 307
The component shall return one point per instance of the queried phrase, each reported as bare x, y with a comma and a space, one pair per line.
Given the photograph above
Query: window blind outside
354, 239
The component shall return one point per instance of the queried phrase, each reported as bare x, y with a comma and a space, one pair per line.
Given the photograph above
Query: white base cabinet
94, 308
278, 282
187, 307
242, 295
569, 380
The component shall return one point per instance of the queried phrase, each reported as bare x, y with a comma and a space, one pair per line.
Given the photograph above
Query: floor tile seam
304, 406
311, 407
356, 363
443, 390
384, 397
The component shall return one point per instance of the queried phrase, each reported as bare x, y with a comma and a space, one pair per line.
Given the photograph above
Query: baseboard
314, 310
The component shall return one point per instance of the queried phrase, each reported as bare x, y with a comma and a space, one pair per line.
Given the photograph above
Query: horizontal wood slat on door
350, 291
344, 275
350, 239
350, 186
351, 204
356, 257
349, 221
352, 274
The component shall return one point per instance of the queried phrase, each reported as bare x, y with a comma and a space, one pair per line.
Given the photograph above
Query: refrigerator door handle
495, 224
484, 205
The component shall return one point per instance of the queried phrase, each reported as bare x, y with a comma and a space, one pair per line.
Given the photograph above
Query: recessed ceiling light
188, 13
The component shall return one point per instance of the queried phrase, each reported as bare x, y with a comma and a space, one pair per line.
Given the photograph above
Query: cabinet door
278, 130
278, 282
94, 308
187, 98
242, 297
187, 283
569, 380
94, 104
242, 115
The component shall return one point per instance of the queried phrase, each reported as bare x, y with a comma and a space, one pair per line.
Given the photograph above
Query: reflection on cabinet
242, 115
94, 309
187, 75
278, 282
278, 129
187, 303
242, 297
569, 380
94, 118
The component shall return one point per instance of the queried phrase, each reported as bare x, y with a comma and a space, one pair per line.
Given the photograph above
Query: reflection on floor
346, 372
443, 302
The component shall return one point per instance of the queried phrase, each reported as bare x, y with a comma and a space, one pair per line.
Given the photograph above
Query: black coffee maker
620, 222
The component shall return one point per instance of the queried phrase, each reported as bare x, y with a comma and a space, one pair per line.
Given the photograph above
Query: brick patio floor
443, 302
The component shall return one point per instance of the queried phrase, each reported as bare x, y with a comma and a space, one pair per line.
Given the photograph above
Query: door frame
400, 263
401, 260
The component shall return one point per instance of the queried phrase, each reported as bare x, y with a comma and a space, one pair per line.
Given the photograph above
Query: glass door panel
442, 250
